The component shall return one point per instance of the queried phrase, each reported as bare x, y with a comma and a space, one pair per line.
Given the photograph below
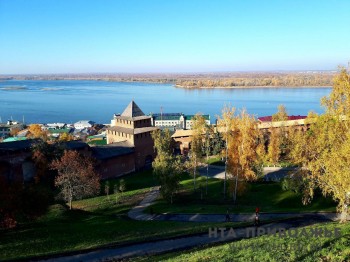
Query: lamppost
206, 151
225, 161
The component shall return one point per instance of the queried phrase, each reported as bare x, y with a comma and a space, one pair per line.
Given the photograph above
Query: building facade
135, 128
176, 120
83, 124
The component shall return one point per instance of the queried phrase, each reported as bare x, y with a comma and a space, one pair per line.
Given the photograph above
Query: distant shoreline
247, 87
168, 83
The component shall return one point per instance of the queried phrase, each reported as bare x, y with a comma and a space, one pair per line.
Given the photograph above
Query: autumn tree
278, 140
197, 144
42, 155
226, 126
323, 152
166, 166
243, 161
35, 131
274, 147
76, 177
65, 137
281, 114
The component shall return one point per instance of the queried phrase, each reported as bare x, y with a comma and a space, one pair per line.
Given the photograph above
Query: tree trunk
344, 214
194, 175
235, 196
206, 182
70, 204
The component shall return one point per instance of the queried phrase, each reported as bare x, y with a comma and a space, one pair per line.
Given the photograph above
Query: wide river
70, 101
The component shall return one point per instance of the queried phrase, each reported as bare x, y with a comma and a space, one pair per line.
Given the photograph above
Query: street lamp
225, 161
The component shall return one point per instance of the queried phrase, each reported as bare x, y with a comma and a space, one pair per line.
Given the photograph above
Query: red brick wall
114, 167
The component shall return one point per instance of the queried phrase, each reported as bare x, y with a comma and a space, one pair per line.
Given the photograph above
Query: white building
177, 120
56, 125
83, 124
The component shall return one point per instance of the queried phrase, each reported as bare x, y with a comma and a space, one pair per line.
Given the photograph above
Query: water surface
70, 101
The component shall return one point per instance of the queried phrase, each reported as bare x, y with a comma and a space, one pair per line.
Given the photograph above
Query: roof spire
132, 110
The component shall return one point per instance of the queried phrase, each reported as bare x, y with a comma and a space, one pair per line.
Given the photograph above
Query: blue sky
81, 36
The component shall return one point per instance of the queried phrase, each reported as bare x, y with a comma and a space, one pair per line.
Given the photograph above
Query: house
83, 124
10, 126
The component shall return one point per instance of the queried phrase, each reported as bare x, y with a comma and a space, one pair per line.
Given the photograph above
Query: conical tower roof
132, 110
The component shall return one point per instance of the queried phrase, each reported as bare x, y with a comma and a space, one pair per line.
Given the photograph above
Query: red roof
269, 118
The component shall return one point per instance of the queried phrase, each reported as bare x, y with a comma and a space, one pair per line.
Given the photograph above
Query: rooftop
269, 118
175, 116
112, 150
132, 110
74, 145
17, 145
132, 131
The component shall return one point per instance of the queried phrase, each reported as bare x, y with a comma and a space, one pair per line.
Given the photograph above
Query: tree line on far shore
198, 80
261, 80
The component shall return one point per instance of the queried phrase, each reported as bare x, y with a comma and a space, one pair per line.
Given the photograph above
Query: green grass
216, 161
268, 196
93, 223
272, 248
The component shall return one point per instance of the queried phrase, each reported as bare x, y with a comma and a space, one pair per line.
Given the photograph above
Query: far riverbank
246, 87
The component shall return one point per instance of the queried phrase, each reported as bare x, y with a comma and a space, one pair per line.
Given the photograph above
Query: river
72, 100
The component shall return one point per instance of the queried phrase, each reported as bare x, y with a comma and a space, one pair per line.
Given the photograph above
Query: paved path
169, 245
277, 173
137, 213
270, 173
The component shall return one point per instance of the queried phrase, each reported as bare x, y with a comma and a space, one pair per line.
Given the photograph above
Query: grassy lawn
216, 161
268, 196
93, 223
272, 248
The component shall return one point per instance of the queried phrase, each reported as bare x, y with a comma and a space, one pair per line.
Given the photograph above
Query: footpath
182, 243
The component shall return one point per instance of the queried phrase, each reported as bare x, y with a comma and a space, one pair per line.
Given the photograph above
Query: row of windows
146, 134
166, 123
120, 134
123, 121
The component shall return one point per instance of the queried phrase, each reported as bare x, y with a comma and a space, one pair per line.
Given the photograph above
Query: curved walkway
137, 213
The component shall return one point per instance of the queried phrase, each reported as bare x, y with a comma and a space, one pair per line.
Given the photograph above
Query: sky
164, 36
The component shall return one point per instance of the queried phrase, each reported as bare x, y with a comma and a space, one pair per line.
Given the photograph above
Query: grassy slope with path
94, 222
272, 248
269, 196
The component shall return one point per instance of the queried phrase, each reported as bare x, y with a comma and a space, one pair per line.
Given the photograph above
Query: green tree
122, 187
166, 166
107, 187
197, 143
